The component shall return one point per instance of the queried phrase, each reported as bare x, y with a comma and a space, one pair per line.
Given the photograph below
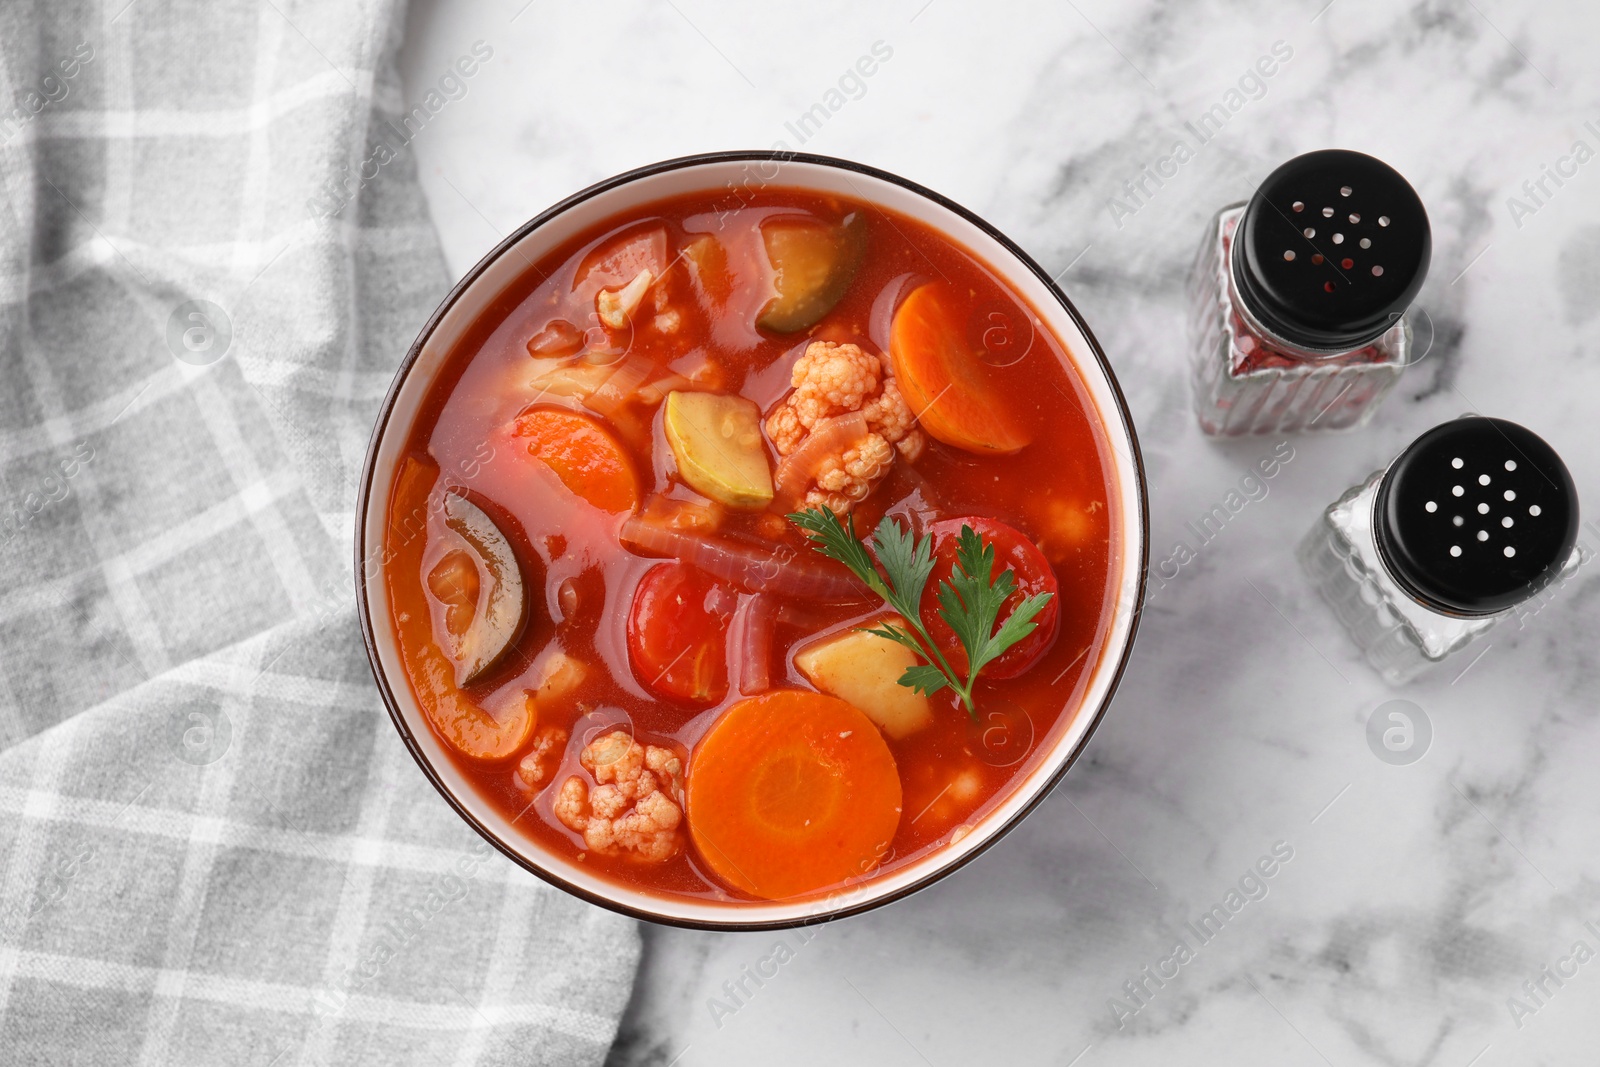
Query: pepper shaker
1298, 297
1477, 516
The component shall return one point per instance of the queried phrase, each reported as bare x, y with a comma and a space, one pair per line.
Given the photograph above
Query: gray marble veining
1432, 913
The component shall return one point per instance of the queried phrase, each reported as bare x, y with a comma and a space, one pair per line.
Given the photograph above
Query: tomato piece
677, 634
585, 455
944, 381
1012, 549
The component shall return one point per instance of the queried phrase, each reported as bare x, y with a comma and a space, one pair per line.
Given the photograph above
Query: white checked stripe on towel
213, 847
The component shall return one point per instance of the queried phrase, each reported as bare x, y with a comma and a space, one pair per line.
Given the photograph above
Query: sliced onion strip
781, 569
619, 387
797, 470
750, 638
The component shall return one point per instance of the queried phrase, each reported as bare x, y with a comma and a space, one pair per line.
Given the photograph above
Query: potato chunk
558, 675
864, 669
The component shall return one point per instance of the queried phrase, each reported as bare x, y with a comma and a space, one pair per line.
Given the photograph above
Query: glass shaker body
1298, 297
1474, 519
1400, 637
1246, 381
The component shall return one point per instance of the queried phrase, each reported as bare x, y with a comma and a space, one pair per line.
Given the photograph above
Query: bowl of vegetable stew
750, 539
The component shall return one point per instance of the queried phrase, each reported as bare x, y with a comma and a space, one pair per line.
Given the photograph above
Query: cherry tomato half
677, 634
1012, 549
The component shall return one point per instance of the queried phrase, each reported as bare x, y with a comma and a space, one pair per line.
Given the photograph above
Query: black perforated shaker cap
1331, 250
1476, 516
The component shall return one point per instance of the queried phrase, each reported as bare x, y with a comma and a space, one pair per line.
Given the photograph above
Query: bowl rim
937, 871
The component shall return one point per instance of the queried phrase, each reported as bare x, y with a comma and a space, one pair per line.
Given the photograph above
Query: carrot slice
467, 728
792, 792
587, 458
463, 725
943, 380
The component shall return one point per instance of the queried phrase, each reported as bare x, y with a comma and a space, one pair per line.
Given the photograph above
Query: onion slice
750, 638
880, 319
797, 470
619, 387
780, 569
604, 382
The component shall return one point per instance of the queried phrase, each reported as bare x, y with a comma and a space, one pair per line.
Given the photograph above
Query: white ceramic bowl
716, 174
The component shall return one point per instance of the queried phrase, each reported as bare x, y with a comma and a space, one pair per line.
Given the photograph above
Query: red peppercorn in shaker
1298, 297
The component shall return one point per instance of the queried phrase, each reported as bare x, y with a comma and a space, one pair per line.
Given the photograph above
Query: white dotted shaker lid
1476, 515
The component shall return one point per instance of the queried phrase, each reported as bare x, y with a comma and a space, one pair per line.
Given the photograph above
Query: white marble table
1419, 898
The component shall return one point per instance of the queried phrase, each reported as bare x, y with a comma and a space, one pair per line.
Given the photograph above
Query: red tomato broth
1058, 490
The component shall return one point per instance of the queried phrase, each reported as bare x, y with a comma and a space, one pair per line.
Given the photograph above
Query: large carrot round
792, 792
587, 458
944, 381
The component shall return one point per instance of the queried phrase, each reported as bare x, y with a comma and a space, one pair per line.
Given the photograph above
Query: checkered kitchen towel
213, 848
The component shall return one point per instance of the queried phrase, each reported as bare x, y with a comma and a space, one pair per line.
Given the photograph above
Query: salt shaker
1477, 516
1298, 297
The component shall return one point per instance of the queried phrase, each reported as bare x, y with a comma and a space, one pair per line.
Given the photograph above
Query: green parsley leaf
925, 678
894, 633
838, 541
907, 560
969, 601
1018, 625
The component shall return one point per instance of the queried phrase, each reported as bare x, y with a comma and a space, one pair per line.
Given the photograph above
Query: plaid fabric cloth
213, 847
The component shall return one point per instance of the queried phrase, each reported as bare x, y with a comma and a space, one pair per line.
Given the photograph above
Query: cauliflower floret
833, 379
634, 808
616, 306
845, 480
540, 761
785, 428
890, 415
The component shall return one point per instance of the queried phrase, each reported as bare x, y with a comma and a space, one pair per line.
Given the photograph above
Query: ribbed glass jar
1247, 381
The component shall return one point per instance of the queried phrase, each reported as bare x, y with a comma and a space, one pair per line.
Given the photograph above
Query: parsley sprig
969, 600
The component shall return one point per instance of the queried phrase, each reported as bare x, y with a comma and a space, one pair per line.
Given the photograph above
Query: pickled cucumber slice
501, 602
813, 263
